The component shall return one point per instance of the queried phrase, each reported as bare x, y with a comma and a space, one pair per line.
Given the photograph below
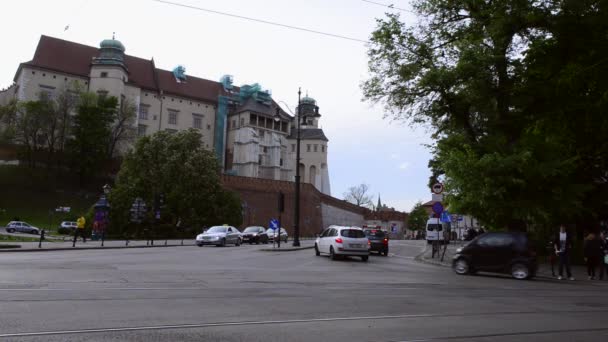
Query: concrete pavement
238, 294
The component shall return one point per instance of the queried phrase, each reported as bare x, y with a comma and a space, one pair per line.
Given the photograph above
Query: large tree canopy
177, 166
515, 92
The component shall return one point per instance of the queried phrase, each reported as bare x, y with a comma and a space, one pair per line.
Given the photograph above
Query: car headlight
459, 250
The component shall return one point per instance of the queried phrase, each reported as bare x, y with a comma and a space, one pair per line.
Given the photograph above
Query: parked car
343, 241
378, 240
272, 234
219, 236
67, 227
255, 234
505, 252
21, 227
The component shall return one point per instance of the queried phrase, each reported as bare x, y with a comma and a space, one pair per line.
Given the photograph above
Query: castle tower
313, 146
109, 72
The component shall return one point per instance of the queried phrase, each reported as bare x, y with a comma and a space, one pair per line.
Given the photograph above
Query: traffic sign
437, 208
437, 188
445, 217
274, 224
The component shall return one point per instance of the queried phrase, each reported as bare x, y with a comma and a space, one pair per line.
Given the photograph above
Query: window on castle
172, 117
260, 159
197, 121
316, 148
233, 124
104, 74
46, 92
141, 130
265, 149
323, 148
102, 93
242, 122
253, 119
293, 147
307, 147
281, 162
143, 111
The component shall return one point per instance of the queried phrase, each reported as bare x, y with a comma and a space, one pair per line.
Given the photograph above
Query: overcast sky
363, 147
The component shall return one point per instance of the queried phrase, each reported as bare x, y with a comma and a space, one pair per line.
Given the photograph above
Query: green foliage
418, 217
91, 134
179, 167
516, 95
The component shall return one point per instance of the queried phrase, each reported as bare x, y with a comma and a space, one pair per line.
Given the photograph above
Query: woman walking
593, 254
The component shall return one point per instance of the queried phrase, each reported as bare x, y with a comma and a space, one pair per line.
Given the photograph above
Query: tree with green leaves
514, 92
177, 166
91, 132
417, 217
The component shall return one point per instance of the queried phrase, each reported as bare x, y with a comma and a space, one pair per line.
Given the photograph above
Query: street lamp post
296, 230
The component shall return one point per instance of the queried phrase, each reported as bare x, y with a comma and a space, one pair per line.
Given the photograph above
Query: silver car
219, 236
21, 227
272, 235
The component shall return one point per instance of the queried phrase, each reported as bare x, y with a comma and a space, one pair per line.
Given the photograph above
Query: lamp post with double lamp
296, 216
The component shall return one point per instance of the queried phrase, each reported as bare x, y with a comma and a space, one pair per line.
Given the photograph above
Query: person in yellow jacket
80, 223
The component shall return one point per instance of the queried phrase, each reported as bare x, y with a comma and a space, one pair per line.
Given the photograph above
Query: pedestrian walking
593, 254
563, 245
604, 254
80, 223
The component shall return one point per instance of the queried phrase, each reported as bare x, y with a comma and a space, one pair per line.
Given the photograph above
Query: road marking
521, 333
291, 321
114, 289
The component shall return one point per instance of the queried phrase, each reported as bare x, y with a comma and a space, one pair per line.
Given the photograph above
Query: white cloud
404, 166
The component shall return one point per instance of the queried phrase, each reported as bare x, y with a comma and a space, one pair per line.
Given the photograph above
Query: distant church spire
379, 206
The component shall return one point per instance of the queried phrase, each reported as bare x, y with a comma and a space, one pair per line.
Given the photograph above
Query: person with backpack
562, 243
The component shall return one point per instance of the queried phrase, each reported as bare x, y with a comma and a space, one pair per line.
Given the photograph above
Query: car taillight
369, 243
385, 241
339, 240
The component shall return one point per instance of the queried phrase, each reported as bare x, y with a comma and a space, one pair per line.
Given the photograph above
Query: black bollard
41, 238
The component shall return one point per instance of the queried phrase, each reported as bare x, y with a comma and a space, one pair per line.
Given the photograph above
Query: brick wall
261, 198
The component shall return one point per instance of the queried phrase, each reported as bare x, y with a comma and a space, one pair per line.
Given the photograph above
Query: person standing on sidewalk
592, 250
604, 255
563, 245
80, 223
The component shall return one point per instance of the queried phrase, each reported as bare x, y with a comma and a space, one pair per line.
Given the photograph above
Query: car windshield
352, 233
432, 227
251, 230
217, 230
374, 233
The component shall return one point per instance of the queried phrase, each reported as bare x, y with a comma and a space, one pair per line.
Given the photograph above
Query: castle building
250, 133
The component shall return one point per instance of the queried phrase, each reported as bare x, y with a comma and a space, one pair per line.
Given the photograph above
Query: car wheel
385, 252
199, 244
11, 230
520, 271
238, 242
317, 253
223, 244
332, 255
257, 241
364, 258
461, 266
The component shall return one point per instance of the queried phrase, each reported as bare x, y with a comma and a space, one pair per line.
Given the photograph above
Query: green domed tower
109, 72
111, 52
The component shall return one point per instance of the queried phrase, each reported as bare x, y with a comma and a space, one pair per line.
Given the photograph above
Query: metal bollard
41, 238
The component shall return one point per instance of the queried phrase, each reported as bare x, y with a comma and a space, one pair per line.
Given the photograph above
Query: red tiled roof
73, 58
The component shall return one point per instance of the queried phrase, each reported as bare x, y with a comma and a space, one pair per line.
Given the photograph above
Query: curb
285, 249
18, 250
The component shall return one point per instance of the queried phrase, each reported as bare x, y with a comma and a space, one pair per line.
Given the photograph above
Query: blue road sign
460, 218
445, 217
274, 224
437, 208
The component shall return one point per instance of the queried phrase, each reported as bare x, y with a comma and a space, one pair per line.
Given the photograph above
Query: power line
260, 21
389, 6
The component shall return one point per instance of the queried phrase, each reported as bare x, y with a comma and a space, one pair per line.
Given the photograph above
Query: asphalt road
243, 294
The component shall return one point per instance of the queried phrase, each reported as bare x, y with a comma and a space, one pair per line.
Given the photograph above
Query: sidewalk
544, 269
108, 244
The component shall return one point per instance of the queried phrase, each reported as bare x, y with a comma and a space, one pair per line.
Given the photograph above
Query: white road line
113, 289
312, 320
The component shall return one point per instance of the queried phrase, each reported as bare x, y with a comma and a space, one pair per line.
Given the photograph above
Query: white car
343, 241
21, 227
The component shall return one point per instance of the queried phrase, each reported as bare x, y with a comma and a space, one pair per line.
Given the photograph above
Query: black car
505, 252
255, 234
378, 240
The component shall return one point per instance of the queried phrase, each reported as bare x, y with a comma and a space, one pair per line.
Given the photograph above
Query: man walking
563, 245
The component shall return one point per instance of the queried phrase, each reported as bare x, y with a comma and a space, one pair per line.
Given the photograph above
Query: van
434, 230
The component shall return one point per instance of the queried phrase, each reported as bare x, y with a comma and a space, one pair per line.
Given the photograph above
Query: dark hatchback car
378, 241
255, 234
505, 252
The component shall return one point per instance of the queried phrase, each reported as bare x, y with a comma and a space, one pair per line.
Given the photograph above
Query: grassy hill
33, 194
